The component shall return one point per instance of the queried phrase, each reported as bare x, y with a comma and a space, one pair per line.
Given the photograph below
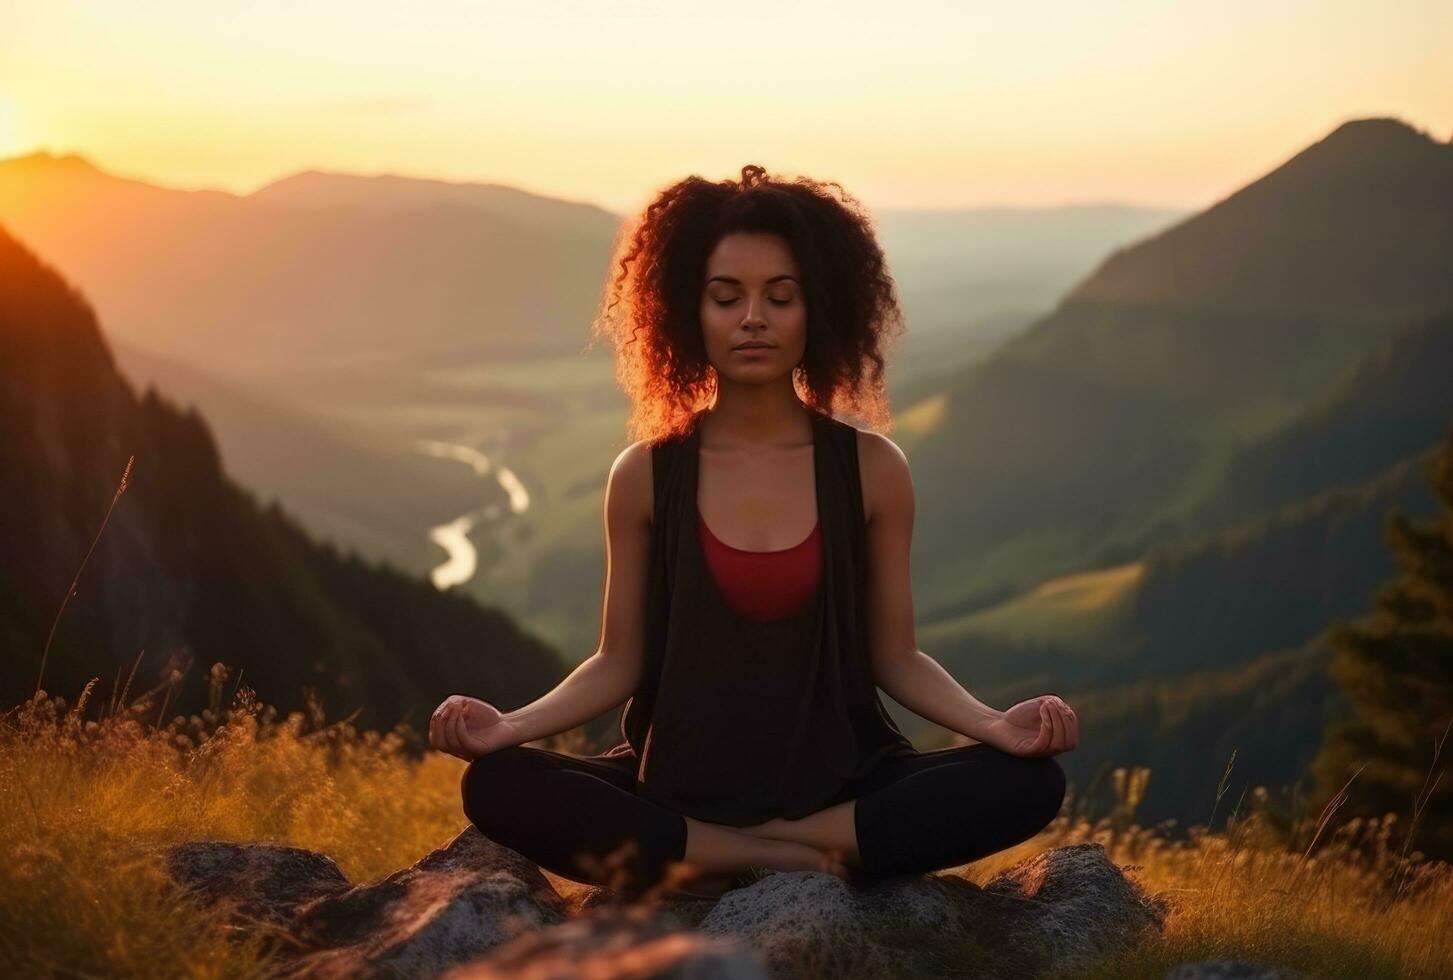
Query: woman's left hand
1045, 725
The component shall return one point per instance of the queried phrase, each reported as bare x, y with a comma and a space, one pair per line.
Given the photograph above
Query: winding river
463, 558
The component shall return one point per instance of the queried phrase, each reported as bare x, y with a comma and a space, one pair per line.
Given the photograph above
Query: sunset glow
917, 104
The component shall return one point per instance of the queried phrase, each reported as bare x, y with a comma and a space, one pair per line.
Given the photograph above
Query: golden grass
1328, 901
82, 802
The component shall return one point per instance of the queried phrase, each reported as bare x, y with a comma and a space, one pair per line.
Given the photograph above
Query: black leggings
915, 813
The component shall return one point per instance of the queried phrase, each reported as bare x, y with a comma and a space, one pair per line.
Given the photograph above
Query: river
462, 559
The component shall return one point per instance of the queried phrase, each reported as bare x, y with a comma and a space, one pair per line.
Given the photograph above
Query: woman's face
753, 295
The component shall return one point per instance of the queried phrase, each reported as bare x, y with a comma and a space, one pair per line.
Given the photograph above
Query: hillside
341, 483
1395, 403
1211, 642
1100, 428
191, 568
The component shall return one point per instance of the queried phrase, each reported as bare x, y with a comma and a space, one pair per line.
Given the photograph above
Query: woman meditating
757, 588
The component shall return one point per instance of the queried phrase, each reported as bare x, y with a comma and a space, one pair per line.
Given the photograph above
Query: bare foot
792, 856
789, 857
774, 829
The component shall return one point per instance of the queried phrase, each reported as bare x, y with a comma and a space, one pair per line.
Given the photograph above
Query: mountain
1203, 645
1357, 225
1214, 638
327, 322
970, 278
311, 304
323, 342
191, 569
1096, 431
343, 483
322, 190
333, 290
1396, 402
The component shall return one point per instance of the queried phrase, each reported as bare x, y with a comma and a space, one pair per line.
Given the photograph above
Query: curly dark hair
651, 307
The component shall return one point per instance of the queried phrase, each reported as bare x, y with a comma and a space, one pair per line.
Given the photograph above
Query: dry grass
82, 801
1327, 900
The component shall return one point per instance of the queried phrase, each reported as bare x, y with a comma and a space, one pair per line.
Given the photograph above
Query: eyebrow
738, 282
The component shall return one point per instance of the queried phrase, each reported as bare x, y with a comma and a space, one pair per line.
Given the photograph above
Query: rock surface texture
1230, 970
474, 910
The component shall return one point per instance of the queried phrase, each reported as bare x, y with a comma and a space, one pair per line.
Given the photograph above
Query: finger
1041, 741
1072, 727
446, 729
1057, 718
434, 727
461, 734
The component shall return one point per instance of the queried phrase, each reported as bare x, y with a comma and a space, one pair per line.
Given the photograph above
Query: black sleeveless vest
736, 721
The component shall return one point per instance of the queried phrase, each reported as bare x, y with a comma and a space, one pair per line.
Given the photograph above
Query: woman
757, 588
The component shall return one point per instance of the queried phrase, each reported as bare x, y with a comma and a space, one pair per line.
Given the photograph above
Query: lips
753, 346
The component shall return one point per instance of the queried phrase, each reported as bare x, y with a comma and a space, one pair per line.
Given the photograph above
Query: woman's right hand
468, 727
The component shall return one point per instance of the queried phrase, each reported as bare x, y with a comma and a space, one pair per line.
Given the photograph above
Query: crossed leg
911, 813
831, 830
574, 814
931, 810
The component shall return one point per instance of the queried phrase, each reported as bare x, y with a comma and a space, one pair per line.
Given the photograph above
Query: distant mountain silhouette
317, 189
282, 321
303, 303
191, 570
1356, 225
1096, 431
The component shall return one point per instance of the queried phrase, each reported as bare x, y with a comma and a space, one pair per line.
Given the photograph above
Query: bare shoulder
886, 478
628, 486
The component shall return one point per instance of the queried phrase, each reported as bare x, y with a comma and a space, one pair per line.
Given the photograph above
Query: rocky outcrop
1230, 970
631, 942
456, 904
1055, 910
264, 883
474, 910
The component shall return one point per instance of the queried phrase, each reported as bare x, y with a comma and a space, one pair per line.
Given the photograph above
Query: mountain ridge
191, 567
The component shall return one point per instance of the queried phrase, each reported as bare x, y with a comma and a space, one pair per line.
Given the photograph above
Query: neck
757, 416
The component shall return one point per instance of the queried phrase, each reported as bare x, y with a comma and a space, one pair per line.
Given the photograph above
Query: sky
906, 104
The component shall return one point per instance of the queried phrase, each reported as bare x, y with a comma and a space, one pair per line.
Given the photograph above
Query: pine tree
1395, 669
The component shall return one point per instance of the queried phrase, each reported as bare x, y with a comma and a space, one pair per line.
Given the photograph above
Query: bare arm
909, 676
611, 674
1040, 726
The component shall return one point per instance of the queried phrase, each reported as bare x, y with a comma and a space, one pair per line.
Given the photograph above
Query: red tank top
763, 585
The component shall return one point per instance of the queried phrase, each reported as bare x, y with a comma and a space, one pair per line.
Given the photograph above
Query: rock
1083, 906
457, 903
1058, 909
264, 882
618, 944
476, 910
1230, 970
